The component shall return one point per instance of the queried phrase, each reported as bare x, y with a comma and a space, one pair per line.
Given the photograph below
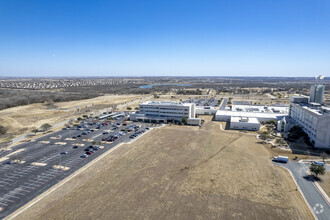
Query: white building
244, 123
205, 110
276, 109
225, 115
158, 111
314, 120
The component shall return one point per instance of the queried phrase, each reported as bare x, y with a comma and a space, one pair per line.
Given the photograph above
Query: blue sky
164, 37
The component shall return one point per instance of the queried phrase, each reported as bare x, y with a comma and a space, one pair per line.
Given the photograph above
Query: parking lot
34, 167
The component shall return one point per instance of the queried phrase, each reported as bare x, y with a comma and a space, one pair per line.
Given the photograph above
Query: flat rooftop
250, 120
315, 108
250, 114
284, 109
166, 103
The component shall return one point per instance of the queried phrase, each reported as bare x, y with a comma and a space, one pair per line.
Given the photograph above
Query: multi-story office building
316, 93
157, 111
313, 118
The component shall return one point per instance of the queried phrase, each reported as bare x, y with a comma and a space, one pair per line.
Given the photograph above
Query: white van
318, 163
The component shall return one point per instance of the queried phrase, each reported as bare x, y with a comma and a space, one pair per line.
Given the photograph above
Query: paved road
313, 196
20, 183
223, 104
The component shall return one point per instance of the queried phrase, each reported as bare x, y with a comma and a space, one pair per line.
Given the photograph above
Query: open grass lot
179, 173
325, 182
23, 119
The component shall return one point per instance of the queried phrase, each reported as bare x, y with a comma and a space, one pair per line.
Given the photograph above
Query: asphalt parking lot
38, 170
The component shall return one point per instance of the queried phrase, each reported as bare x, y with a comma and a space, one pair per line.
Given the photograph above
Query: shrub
3, 130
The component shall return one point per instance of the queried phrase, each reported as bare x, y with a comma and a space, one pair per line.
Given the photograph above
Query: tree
272, 122
3, 130
317, 170
264, 135
184, 120
136, 108
324, 156
280, 141
35, 130
45, 127
129, 108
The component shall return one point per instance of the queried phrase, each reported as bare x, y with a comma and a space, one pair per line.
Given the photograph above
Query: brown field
325, 182
179, 173
23, 119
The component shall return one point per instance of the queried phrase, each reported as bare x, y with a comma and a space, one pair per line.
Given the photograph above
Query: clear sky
164, 37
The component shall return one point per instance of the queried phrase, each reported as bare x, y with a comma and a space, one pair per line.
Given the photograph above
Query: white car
318, 163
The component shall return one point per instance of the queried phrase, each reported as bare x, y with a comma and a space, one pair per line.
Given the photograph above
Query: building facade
157, 111
244, 123
314, 119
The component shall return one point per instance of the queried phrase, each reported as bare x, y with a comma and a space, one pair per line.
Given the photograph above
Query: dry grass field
24, 118
179, 173
325, 182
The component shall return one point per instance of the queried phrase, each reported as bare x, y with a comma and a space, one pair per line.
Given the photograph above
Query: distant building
163, 112
244, 123
313, 118
317, 93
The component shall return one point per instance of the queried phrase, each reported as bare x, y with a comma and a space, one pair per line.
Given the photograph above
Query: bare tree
324, 156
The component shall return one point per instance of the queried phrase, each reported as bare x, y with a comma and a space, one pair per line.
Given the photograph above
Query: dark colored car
75, 146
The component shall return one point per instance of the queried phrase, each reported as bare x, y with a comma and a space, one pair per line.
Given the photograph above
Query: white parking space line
29, 187
3, 204
12, 196
24, 190
2, 182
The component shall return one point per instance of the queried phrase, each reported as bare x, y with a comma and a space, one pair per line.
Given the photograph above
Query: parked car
75, 146
318, 163
282, 159
64, 152
84, 156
